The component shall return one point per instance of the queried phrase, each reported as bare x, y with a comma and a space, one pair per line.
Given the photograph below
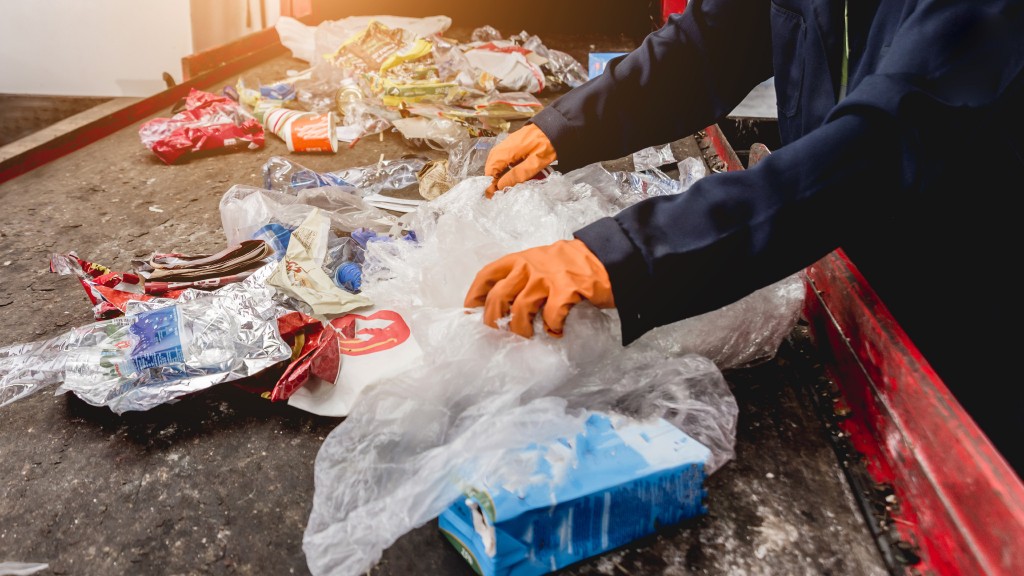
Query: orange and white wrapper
311, 133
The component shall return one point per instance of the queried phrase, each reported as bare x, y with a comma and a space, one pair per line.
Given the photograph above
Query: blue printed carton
627, 479
596, 62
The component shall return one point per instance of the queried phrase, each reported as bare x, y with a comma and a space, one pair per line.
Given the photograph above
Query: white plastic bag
480, 395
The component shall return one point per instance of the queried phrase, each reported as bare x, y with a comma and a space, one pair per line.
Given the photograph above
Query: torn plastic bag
159, 351
480, 395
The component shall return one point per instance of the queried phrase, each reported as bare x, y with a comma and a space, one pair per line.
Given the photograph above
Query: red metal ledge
959, 501
216, 65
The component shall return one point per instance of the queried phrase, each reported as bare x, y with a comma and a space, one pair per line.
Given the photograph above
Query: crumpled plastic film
245, 209
159, 351
481, 395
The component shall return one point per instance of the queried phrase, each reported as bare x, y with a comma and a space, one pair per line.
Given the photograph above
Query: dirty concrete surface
222, 482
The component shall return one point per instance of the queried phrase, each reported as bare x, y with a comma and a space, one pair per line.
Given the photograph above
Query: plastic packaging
556, 504
245, 211
284, 175
208, 122
653, 157
159, 351
691, 169
481, 395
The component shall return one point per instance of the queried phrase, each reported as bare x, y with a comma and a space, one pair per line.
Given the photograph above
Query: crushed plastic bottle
159, 352
283, 175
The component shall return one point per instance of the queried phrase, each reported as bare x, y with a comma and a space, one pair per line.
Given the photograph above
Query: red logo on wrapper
348, 335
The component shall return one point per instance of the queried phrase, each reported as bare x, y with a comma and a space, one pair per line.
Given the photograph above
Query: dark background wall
634, 18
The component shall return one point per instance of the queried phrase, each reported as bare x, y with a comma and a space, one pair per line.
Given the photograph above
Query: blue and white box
596, 62
626, 480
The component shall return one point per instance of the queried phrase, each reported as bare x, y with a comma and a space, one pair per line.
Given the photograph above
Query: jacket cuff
627, 271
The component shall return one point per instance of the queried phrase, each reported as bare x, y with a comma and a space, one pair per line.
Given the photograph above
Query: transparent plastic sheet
561, 67
466, 158
648, 183
284, 175
691, 169
361, 118
653, 157
159, 351
245, 210
481, 394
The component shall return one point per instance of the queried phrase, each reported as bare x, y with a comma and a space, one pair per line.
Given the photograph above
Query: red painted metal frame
959, 501
722, 147
669, 7
231, 61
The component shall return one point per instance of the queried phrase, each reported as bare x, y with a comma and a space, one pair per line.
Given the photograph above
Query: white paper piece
383, 202
513, 71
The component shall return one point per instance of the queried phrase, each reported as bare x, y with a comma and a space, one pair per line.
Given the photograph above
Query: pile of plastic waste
383, 72
356, 295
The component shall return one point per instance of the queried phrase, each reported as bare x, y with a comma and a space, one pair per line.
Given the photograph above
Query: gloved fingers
491, 189
499, 165
504, 155
556, 310
501, 298
485, 280
519, 173
528, 303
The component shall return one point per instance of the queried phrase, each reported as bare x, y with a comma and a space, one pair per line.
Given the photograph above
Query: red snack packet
208, 122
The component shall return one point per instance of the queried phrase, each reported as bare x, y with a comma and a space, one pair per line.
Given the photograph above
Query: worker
901, 126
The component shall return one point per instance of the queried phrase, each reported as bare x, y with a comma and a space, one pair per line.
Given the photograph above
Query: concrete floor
221, 482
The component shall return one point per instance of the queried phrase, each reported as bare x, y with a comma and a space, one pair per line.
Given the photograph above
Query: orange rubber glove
554, 277
518, 158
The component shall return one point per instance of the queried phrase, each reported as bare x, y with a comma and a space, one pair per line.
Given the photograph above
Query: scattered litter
155, 209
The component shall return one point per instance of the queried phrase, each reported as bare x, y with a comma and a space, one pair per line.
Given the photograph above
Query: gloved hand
555, 277
517, 158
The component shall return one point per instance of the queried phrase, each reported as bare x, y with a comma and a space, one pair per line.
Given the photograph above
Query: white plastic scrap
21, 568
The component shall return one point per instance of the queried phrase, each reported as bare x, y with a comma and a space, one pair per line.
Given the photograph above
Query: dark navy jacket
916, 174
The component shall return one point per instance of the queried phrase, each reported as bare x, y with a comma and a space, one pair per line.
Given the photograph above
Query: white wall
215, 22
110, 47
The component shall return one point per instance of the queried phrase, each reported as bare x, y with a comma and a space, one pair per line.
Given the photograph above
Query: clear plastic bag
246, 210
480, 395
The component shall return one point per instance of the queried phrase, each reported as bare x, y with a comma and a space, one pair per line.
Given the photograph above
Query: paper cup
277, 119
311, 133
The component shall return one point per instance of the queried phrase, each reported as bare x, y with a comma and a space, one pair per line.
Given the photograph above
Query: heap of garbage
353, 295
371, 74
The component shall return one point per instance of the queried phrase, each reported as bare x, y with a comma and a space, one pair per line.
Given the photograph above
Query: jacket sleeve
952, 68
685, 76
